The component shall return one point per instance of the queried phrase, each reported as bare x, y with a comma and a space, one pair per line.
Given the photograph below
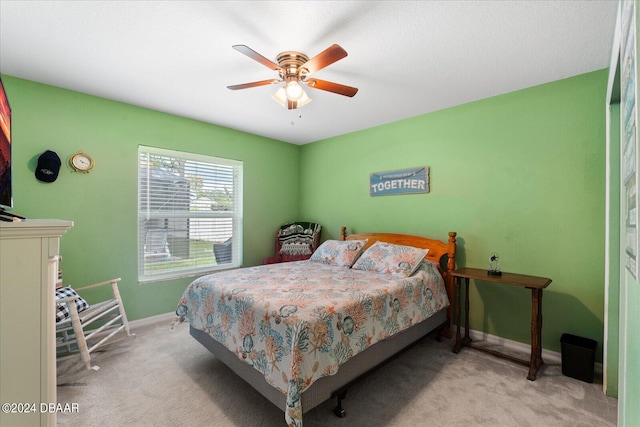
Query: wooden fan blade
327, 57
253, 84
256, 56
332, 87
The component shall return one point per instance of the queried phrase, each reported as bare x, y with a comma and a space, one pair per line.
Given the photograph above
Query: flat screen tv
6, 188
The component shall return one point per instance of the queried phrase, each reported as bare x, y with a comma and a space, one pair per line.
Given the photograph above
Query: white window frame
148, 268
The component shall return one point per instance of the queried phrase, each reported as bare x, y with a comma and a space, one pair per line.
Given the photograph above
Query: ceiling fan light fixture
304, 100
293, 91
281, 98
293, 69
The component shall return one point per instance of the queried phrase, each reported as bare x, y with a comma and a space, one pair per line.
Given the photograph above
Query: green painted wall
103, 203
522, 174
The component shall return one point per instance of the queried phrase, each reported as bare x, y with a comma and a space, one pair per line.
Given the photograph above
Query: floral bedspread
296, 322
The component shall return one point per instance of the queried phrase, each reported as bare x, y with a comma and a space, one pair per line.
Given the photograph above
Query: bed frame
336, 385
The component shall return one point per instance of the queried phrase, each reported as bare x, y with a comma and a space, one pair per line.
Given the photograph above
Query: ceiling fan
294, 69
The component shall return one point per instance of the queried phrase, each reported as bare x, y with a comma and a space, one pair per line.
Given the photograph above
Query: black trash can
578, 357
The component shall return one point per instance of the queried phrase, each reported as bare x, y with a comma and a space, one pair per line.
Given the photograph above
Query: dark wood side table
536, 284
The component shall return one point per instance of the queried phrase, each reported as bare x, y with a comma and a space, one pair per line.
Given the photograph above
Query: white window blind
189, 214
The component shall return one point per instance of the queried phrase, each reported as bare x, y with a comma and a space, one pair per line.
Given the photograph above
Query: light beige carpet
163, 377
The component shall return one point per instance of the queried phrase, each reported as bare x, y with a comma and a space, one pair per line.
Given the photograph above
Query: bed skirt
323, 388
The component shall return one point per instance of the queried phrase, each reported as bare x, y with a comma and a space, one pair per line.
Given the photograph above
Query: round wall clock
82, 162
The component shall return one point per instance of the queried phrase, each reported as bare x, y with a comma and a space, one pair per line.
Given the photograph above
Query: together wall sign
402, 181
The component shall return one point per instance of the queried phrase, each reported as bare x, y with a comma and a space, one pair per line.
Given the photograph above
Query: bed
301, 332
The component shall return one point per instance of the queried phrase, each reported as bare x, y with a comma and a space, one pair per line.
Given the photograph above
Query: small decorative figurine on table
494, 265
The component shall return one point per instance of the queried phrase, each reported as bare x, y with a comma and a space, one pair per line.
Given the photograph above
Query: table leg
536, 333
456, 303
467, 338
540, 328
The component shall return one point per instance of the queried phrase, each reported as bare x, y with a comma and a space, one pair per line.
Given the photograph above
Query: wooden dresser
28, 271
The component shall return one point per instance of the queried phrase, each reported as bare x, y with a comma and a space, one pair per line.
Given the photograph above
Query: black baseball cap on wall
48, 166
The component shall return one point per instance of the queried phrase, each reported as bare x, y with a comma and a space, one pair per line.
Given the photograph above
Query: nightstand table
536, 284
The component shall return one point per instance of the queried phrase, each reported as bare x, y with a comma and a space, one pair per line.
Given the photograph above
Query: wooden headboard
442, 253
437, 248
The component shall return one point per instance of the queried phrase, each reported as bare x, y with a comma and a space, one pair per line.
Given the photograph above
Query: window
189, 214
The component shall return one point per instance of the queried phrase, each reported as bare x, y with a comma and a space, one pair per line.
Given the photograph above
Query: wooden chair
86, 331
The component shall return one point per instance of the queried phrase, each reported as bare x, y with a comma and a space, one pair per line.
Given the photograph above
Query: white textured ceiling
406, 58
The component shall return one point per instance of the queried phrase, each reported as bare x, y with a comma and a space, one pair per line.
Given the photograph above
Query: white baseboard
549, 357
